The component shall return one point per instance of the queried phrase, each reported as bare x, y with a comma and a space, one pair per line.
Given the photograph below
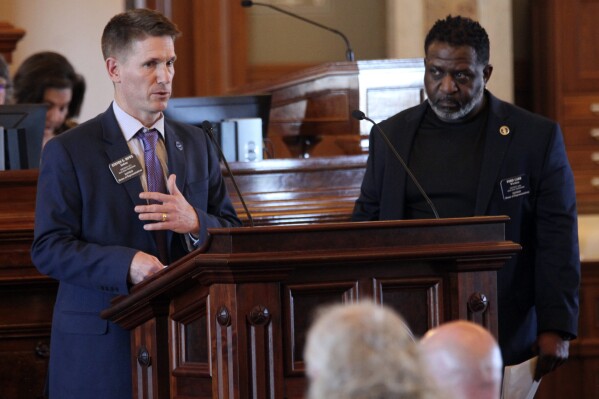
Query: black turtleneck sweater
446, 158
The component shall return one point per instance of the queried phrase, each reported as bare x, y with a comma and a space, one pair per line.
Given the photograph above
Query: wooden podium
229, 320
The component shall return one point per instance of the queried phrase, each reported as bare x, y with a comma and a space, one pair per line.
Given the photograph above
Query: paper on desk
518, 380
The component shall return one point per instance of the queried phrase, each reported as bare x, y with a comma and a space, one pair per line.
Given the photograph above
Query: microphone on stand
207, 127
359, 115
349, 53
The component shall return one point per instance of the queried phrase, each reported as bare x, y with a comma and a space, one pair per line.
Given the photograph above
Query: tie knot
149, 138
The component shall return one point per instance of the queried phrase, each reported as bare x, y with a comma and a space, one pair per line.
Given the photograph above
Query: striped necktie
155, 182
154, 173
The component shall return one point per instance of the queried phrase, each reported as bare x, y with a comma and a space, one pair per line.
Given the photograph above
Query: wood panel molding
212, 50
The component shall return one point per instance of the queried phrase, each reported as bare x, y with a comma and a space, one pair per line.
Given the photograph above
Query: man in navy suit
98, 228
476, 155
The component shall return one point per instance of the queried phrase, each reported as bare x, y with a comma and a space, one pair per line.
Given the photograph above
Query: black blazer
538, 289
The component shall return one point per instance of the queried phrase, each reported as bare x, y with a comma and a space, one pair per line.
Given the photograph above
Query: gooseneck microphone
359, 115
349, 53
207, 127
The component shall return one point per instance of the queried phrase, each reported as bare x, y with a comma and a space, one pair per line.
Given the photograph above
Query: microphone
207, 127
349, 53
359, 115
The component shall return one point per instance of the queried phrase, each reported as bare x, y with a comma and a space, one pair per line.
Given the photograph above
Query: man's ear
487, 73
112, 67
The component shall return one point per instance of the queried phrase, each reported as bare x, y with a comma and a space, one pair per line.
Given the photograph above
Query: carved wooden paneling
300, 301
418, 300
477, 303
212, 51
190, 343
566, 84
223, 322
150, 355
259, 330
23, 363
26, 297
578, 35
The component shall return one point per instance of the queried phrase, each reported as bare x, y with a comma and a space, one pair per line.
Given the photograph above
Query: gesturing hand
172, 212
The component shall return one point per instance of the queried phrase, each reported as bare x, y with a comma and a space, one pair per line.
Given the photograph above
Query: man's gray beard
462, 112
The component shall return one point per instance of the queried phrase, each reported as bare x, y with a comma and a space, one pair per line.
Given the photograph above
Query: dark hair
135, 24
48, 70
460, 31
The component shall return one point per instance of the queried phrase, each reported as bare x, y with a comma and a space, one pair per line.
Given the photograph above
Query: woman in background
49, 78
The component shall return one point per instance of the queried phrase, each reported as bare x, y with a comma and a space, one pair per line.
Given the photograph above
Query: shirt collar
130, 126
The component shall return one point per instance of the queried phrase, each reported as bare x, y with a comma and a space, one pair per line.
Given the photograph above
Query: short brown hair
135, 24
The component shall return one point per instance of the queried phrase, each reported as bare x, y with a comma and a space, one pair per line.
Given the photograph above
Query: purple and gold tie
154, 173
155, 182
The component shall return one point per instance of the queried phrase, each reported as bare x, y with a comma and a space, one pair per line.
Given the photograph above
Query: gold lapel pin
504, 130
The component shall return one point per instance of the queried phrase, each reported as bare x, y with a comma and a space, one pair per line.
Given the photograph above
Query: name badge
126, 168
516, 186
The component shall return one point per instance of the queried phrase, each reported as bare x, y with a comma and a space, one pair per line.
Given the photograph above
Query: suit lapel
175, 151
117, 148
498, 137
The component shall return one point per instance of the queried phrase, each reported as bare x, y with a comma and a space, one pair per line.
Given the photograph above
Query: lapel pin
179, 146
504, 130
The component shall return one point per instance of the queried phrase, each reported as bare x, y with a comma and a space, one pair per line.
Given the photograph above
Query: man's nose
448, 84
163, 74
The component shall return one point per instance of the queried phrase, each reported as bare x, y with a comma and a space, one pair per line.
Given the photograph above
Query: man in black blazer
476, 155
97, 227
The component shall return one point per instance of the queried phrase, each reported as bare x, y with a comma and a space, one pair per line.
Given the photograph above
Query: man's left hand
172, 212
553, 352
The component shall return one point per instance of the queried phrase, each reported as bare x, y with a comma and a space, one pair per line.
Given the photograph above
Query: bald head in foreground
464, 360
363, 351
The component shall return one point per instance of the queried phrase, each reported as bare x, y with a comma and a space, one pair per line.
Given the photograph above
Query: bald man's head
463, 357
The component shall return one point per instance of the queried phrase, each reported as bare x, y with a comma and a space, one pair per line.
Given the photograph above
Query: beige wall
406, 30
279, 38
72, 28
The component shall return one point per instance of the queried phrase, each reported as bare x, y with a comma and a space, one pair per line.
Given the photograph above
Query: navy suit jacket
538, 289
86, 234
